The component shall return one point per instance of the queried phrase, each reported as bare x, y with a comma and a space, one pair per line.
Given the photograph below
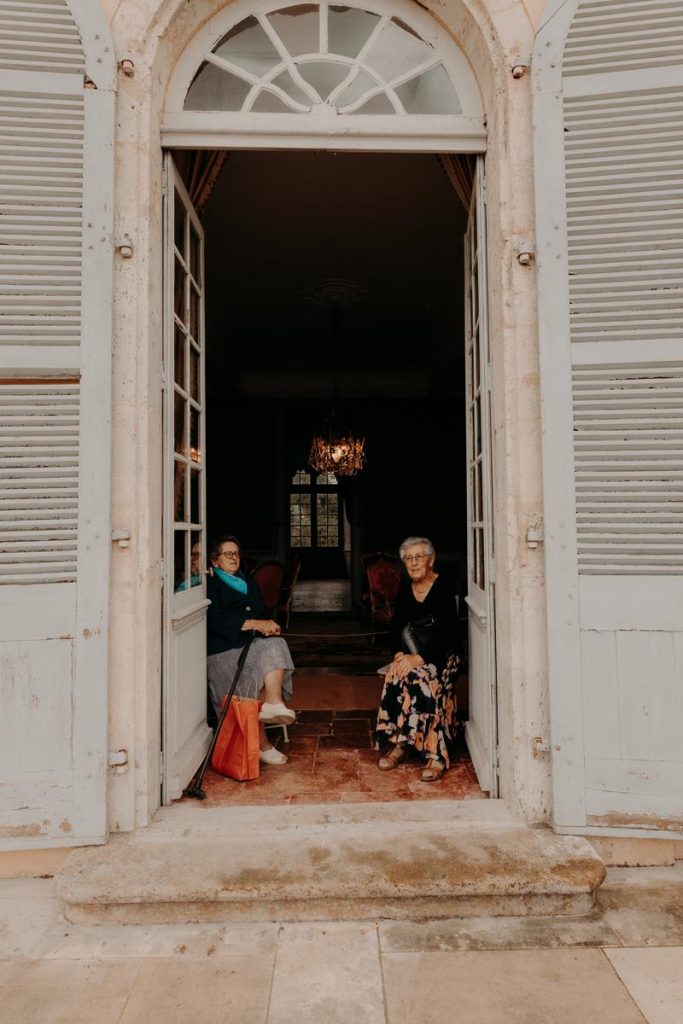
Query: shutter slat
628, 451
42, 222
39, 471
624, 35
39, 36
624, 160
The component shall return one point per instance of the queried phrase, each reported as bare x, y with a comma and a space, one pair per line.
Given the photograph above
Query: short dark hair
218, 543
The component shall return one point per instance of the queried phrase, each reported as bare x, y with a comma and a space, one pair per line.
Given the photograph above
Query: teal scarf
237, 582
195, 580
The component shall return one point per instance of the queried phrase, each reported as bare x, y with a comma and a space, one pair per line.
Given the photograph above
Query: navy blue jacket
228, 612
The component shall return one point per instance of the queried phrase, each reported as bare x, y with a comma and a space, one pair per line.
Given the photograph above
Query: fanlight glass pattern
298, 58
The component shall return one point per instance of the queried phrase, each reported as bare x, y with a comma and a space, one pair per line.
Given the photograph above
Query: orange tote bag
236, 753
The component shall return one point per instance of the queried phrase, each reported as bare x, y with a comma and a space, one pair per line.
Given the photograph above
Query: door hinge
162, 570
118, 760
492, 570
540, 747
161, 764
534, 533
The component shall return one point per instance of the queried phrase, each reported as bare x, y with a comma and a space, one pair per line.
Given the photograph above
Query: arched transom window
352, 59
326, 62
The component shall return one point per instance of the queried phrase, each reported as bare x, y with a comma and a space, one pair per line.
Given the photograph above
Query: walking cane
195, 787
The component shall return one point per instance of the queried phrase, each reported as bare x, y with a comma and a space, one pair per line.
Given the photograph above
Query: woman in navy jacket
236, 610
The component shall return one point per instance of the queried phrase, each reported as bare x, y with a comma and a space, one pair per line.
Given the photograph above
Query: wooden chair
291, 575
383, 574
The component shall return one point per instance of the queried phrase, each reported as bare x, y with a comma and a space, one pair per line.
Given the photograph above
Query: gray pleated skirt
265, 655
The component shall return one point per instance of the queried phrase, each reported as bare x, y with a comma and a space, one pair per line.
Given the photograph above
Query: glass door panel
185, 731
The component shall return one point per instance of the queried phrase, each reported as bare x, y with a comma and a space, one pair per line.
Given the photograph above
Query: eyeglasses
228, 554
415, 558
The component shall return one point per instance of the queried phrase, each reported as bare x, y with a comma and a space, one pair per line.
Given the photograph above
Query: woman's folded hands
402, 665
266, 627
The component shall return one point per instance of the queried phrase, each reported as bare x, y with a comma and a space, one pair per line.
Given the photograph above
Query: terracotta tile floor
331, 759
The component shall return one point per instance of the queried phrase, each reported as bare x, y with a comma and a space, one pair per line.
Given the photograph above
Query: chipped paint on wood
21, 831
650, 821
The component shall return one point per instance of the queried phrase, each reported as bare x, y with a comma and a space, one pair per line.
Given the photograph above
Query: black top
440, 603
228, 612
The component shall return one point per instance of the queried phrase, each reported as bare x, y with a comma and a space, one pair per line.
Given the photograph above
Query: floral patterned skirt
420, 711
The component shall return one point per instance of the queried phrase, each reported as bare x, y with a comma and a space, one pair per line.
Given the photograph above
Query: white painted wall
612, 379
55, 373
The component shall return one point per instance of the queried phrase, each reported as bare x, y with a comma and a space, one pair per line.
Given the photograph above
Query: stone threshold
435, 859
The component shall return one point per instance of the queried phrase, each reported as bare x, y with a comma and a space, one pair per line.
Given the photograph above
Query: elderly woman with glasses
237, 609
417, 707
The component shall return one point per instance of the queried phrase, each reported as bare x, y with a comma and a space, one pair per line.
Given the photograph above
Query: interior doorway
259, 365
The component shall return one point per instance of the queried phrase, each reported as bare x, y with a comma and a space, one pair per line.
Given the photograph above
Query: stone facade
495, 37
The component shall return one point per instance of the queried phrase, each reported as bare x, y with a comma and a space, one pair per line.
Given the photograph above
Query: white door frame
324, 128
481, 607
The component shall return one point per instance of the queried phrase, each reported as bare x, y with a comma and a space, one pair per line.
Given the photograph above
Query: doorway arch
492, 41
324, 76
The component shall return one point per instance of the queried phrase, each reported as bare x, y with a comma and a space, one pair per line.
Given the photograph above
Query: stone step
440, 859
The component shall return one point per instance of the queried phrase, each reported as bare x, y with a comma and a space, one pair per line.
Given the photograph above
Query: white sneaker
272, 756
276, 714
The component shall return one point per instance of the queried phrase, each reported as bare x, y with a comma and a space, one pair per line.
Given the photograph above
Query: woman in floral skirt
418, 706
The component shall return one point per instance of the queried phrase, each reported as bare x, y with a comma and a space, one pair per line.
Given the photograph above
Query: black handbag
419, 635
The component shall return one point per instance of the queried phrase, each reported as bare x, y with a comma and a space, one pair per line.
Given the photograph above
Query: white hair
410, 541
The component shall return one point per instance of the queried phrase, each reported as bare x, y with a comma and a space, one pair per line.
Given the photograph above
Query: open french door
185, 733
481, 731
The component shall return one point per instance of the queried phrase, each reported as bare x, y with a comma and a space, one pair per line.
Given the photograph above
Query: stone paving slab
644, 906
577, 986
227, 990
66, 941
327, 974
48, 992
654, 977
28, 909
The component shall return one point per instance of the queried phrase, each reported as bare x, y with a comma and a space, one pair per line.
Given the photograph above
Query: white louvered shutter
609, 153
56, 195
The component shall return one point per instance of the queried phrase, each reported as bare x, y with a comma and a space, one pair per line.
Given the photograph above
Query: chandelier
334, 449
338, 453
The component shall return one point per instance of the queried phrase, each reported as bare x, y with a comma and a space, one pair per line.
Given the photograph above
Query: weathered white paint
185, 736
481, 730
607, 189
54, 665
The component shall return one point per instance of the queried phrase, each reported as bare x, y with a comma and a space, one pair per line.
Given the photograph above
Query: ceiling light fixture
335, 449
